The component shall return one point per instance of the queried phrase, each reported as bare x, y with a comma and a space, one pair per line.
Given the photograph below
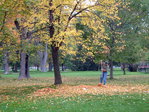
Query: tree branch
4, 20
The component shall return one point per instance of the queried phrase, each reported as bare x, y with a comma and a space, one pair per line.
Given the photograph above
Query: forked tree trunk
24, 70
24, 58
55, 57
6, 63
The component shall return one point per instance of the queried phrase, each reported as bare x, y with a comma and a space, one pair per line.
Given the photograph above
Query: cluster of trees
74, 33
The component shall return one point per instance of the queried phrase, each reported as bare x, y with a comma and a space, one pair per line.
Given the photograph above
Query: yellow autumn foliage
65, 15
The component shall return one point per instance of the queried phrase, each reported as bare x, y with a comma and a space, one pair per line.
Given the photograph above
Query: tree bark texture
24, 57
24, 68
6, 63
55, 50
43, 59
55, 57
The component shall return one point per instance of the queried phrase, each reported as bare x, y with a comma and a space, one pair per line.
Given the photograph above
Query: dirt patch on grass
67, 90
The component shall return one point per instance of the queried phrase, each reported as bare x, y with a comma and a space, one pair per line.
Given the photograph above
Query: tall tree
121, 31
134, 30
61, 18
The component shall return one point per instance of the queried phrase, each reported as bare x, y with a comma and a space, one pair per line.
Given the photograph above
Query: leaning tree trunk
24, 70
55, 57
6, 63
111, 69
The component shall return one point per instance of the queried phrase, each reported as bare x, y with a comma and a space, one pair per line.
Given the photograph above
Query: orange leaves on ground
66, 90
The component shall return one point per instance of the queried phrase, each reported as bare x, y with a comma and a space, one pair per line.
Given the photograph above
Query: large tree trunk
55, 50
55, 57
24, 62
111, 69
24, 58
43, 59
6, 63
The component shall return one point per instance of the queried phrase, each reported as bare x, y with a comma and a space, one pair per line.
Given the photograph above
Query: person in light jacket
104, 70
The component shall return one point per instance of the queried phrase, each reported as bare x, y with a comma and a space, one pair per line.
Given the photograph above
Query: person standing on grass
104, 70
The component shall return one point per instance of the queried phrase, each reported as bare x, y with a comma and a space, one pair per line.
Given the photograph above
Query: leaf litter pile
67, 90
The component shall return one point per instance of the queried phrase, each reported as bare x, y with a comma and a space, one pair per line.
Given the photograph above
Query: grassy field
74, 73
18, 95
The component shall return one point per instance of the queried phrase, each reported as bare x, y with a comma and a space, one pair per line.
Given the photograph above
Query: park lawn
17, 95
117, 72
85, 103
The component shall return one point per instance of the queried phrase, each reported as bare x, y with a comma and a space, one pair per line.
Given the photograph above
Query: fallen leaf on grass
66, 90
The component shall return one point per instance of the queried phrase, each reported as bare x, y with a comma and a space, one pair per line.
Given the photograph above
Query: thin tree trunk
27, 66
6, 63
37, 67
50, 64
124, 68
55, 57
45, 57
111, 69
15, 67
124, 71
63, 69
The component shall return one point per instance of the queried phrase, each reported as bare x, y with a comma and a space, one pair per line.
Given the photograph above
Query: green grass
14, 93
73, 73
86, 103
